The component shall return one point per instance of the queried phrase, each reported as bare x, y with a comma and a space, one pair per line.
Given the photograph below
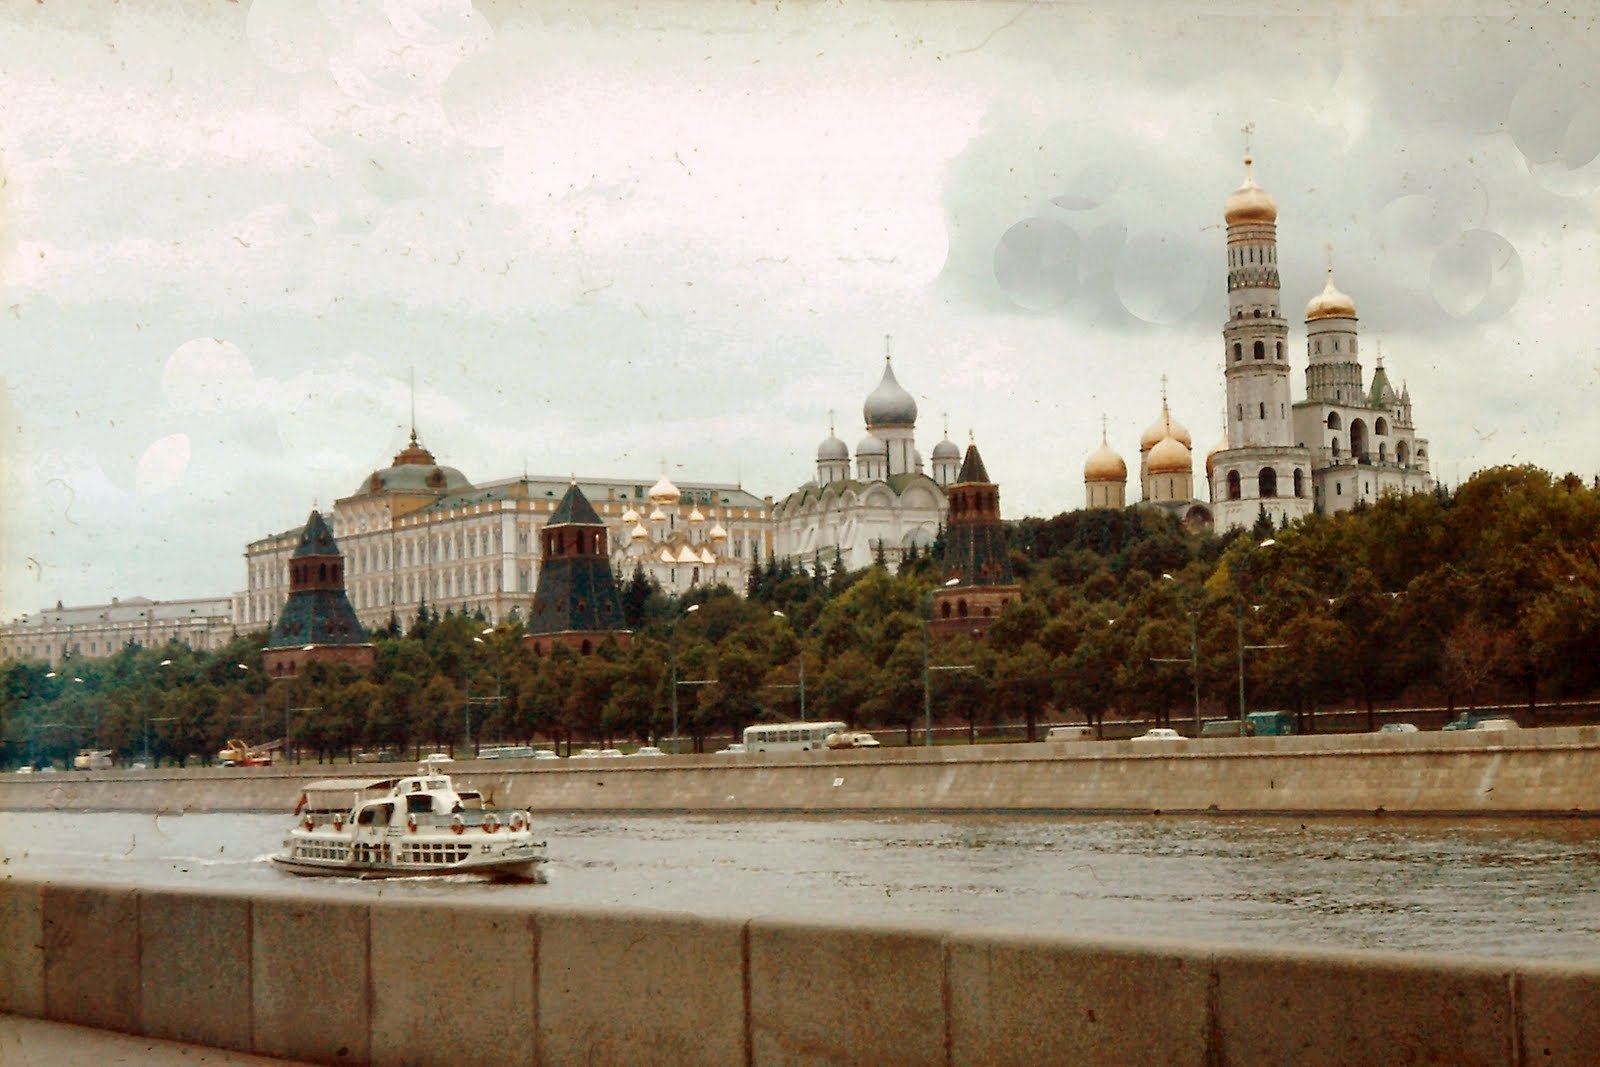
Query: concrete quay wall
344, 980
1553, 770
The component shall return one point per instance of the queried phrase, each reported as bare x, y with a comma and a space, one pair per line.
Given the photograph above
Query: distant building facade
92, 631
419, 532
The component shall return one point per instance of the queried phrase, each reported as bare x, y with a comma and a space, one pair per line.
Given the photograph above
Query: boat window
436, 783
419, 802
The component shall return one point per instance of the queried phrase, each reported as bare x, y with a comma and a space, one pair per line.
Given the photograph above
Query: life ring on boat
518, 823
338, 821
490, 823
411, 823
457, 824
309, 822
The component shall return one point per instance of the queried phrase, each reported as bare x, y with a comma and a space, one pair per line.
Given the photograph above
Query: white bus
790, 736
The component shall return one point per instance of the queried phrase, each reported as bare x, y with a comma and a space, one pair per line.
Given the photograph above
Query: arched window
944, 610
1335, 448
961, 609
1263, 406
1280, 351
1402, 453
1381, 427
1358, 440
587, 648
1383, 452
1260, 350
1257, 314
1233, 485
1267, 482
1299, 482
1334, 422
1238, 351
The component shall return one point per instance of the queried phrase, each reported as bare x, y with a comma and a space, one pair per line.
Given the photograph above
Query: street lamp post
1239, 634
927, 670
1194, 657
672, 650
802, 658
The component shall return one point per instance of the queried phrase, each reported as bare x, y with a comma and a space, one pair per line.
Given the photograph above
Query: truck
92, 760
1269, 723
237, 753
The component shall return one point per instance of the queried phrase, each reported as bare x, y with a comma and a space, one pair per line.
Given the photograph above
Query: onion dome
664, 492
639, 533
1164, 427
630, 517
1250, 202
946, 449
695, 515
832, 448
871, 446
889, 404
414, 470
1330, 303
658, 515
717, 532
1104, 465
1211, 457
1170, 456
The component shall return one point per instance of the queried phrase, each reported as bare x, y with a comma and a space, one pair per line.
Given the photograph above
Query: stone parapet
328, 978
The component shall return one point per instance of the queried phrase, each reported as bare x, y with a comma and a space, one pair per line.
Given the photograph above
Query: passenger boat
400, 827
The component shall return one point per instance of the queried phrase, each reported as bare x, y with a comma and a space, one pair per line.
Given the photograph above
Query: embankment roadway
1546, 771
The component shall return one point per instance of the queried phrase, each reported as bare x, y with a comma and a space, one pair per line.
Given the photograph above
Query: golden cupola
1164, 427
1250, 202
1104, 465
1331, 303
1170, 456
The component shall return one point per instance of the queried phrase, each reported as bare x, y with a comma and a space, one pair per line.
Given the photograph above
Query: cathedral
887, 507
1347, 442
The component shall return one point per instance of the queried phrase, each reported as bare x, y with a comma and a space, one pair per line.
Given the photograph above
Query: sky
245, 247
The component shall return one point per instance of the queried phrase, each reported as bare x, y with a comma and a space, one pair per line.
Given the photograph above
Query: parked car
544, 753
735, 749
648, 750
1159, 733
613, 753
1397, 728
851, 739
508, 752
1462, 722
1224, 728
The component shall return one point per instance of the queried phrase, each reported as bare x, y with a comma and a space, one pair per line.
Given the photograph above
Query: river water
1492, 887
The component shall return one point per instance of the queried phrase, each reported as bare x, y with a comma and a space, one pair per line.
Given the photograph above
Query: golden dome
1170, 456
718, 533
1164, 427
1250, 202
658, 515
1330, 303
695, 516
664, 492
639, 533
1105, 466
630, 517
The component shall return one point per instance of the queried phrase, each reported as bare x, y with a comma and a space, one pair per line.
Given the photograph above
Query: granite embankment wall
336, 979
1554, 770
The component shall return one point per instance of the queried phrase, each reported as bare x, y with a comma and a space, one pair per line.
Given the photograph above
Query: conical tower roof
972, 469
574, 510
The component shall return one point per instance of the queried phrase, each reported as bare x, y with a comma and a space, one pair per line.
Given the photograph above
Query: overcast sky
612, 238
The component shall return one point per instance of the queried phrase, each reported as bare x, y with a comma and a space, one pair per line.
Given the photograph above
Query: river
1492, 887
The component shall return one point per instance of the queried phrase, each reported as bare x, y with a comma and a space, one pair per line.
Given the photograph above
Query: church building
887, 506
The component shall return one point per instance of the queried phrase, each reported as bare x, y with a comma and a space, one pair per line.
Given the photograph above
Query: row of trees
1490, 591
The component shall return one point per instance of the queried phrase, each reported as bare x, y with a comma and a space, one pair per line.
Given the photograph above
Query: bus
790, 736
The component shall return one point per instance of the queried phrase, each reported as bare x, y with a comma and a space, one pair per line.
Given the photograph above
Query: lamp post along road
927, 669
672, 649
802, 658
